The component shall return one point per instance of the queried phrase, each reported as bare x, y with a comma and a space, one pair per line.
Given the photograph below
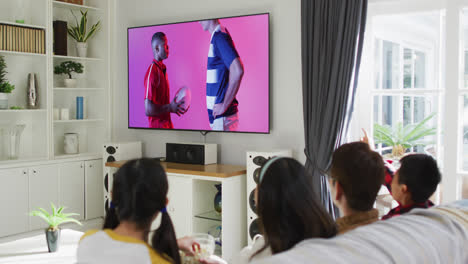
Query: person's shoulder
89, 233
157, 258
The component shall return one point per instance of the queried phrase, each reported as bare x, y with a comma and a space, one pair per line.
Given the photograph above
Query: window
403, 96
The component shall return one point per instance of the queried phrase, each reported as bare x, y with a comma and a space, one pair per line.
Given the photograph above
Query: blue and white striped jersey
220, 56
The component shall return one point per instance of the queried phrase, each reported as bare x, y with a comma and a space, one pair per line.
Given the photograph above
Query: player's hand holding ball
182, 100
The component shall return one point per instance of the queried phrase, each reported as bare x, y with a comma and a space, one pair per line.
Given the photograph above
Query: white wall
286, 117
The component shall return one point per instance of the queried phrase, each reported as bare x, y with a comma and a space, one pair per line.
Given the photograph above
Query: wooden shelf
6, 52
211, 170
76, 58
75, 6
21, 25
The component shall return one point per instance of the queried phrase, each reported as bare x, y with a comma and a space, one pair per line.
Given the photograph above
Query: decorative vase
70, 145
3, 101
53, 239
217, 199
82, 49
70, 83
32, 91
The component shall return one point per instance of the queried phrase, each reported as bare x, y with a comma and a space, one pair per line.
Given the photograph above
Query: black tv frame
204, 132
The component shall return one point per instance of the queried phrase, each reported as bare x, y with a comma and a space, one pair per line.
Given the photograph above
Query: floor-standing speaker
255, 160
114, 152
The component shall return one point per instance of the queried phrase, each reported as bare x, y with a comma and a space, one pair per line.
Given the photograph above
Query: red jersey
157, 91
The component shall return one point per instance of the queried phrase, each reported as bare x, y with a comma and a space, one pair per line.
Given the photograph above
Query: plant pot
3, 101
53, 239
82, 49
70, 83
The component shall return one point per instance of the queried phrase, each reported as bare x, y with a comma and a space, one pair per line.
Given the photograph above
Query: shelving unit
21, 25
6, 52
66, 89
43, 136
76, 58
75, 6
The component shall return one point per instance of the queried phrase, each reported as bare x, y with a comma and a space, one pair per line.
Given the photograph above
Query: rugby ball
184, 94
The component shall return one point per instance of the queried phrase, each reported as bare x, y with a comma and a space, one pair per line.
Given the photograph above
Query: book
1, 37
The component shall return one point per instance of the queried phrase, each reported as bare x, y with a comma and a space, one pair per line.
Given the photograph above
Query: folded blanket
436, 235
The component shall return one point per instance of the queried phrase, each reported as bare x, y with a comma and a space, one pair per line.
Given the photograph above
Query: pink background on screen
186, 66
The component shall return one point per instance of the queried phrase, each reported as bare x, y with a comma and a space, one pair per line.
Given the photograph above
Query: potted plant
5, 86
400, 138
80, 33
68, 67
56, 218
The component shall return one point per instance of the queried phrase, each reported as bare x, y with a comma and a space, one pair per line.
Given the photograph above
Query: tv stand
191, 195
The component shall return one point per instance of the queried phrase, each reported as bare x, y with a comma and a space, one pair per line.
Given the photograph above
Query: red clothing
399, 210
157, 91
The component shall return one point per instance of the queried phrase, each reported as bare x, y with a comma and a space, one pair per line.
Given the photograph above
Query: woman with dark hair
139, 194
288, 211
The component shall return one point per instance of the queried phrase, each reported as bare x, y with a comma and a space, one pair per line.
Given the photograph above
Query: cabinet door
72, 187
94, 196
14, 201
43, 189
180, 204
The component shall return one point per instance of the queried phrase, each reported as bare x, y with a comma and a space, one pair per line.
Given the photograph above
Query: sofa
436, 235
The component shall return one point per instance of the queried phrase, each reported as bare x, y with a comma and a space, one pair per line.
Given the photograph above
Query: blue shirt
220, 56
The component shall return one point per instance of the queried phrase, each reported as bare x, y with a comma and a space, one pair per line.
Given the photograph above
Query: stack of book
22, 39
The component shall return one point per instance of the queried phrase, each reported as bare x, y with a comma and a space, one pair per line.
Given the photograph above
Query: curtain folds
332, 40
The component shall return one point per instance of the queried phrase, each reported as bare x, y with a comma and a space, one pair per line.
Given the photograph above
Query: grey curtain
332, 40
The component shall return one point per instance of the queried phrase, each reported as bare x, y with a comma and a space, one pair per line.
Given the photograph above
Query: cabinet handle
34, 171
24, 172
90, 165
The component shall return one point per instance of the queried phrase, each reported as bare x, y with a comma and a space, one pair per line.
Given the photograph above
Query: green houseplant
5, 86
81, 34
400, 137
56, 218
67, 68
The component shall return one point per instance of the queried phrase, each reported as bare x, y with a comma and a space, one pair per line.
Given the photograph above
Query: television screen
207, 75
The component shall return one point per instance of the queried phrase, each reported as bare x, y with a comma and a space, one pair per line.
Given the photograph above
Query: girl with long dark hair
288, 211
139, 194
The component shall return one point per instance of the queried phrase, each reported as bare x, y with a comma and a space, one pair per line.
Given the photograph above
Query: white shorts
226, 123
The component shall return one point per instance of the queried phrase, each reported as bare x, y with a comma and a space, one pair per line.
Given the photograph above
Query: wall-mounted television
205, 75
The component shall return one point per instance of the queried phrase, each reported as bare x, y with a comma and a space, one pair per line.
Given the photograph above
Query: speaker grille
106, 187
185, 153
253, 229
110, 159
111, 150
252, 204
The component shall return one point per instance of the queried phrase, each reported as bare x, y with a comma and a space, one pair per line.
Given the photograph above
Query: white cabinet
94, 185
179, 206
76, 185
43, 189
14, 203
72, 180
191, 206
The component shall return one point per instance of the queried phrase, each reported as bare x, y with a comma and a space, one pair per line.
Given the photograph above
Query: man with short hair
356, 174
223, 78
157, 105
